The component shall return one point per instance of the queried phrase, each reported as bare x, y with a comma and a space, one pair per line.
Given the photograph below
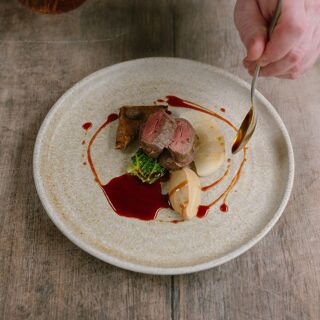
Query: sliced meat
157, 133
130, 120
182, 146
168, 162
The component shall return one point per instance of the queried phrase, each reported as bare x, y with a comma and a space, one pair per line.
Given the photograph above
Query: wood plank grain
42, 274
279, 277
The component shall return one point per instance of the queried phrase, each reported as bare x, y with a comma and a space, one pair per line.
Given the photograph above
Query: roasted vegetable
185, 192
147, 169
210, 147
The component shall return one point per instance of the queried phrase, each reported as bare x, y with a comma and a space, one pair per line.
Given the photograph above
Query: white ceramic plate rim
134, 266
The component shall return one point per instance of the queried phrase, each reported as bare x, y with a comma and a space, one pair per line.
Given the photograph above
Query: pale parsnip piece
185, 192
210, 147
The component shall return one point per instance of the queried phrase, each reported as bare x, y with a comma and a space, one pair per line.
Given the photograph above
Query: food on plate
130, 120
185, 192
157, 133
169, 143
210, 145
167, 161
147, 169
171, 139
181, 148
169, 146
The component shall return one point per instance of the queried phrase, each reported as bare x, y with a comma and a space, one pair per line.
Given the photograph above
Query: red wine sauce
86, 126
129, 197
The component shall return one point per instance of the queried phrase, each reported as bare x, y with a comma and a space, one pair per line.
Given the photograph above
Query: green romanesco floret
147, 169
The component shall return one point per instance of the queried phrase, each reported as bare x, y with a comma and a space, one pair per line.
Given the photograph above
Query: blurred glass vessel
52, 6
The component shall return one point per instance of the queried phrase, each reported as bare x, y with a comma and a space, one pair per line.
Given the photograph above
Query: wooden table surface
42, 274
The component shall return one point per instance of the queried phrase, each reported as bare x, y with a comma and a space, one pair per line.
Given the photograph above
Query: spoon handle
253, 82
273, 23
275, 18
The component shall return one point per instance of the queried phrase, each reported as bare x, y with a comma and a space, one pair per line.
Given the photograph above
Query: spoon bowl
245, 131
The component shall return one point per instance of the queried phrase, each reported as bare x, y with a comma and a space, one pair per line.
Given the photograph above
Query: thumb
252, 28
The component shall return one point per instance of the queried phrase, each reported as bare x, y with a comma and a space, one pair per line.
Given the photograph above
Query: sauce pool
129, 197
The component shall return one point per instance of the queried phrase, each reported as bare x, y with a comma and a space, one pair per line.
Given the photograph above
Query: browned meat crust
130, 120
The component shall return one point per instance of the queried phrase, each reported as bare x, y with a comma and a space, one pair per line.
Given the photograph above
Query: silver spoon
249, 123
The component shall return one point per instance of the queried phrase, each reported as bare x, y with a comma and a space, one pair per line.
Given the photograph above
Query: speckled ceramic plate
78, 207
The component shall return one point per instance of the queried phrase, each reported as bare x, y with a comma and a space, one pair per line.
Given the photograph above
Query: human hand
295, 42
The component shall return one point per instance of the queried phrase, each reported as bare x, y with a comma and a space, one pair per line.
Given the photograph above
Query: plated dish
172, 154
173, 134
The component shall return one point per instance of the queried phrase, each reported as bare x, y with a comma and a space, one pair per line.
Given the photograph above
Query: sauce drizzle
178, 187
206, 188
129, 197
180, 103
126, 194
86, 126
203, 209
111, 117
